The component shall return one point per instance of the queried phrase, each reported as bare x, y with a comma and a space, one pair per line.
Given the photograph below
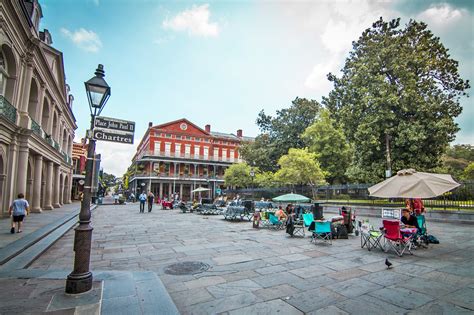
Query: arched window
3, 73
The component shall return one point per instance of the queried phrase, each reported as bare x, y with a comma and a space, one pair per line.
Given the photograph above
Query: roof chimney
208, 128
239, 133
150, 124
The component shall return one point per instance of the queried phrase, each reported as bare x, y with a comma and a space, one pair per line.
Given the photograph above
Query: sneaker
12, 230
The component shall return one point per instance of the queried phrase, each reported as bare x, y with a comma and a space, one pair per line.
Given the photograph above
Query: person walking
150, 199
142, 199
17, 211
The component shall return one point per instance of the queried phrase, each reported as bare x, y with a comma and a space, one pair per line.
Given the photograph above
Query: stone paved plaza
266, 272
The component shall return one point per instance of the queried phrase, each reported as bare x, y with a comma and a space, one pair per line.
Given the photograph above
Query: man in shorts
18, 210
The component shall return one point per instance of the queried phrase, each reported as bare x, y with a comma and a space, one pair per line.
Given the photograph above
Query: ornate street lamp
80, 279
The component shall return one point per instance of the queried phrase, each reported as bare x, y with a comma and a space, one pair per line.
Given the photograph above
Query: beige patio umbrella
200, 189
412, 184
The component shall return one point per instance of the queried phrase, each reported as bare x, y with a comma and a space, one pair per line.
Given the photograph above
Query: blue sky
221, 62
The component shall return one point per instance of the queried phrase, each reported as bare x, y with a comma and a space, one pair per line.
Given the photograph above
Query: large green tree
280, 133
300, 167
328, 141
238, 175
398, 84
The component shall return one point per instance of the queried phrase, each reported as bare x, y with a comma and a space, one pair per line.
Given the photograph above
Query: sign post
113, 130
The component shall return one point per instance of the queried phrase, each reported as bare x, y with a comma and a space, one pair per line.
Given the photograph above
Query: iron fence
462, 198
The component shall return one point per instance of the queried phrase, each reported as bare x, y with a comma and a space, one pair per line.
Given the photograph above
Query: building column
25, 92
170, 192
48, 197
39, 110
68, 191
181, 191
61, 191
11, 175
22, 171
56, 185
161, 191
36, 206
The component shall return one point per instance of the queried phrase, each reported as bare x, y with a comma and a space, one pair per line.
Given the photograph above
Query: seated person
280, 214
409, 220
418, 206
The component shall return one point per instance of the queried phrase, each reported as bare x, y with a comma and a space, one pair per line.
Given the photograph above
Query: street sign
113, 136
113, 130
114, 124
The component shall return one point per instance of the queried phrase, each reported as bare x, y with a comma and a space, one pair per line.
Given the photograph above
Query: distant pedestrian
142, 199
18, 210
150, 198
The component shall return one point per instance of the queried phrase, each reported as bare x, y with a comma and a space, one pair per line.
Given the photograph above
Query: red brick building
178, 157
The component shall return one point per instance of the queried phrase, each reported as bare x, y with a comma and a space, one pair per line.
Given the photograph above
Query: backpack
432, 239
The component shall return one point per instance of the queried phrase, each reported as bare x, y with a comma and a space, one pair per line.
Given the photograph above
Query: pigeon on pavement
388, 264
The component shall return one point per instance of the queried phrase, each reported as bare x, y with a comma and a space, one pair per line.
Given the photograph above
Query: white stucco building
36, 120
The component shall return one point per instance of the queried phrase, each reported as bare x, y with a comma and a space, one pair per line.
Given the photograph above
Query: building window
186, 169
168, 135
157, 147
204, 171
3, 73
216, 154
206, 153
177, 149
168, 149
198, 139
224, 155
196, 151
187, 150
232, 154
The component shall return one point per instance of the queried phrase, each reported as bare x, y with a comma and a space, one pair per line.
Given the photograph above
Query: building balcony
190, 177
7, 110
188, 156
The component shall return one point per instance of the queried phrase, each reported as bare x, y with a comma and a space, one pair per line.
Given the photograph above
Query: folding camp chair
298, 228
322, 231
274, 223
422, 233
264, 222
307, 219
394, 238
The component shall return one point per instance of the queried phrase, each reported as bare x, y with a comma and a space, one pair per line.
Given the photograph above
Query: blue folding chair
322, 232
274, 222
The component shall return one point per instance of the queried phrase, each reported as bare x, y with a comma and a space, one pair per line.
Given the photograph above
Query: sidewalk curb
19, 246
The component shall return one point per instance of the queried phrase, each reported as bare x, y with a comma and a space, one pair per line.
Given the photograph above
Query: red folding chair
395, 239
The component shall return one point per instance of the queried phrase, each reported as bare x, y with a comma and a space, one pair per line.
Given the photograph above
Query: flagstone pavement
261, 271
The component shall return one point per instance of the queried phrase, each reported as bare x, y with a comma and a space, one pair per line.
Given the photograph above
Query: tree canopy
402, 84
328, 141
238, 175
300, 167
280, 133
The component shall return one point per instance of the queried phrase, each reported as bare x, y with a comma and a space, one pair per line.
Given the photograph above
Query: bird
388, 264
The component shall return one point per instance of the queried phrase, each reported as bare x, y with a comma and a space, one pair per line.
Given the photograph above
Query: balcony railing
36, 128
188, 156
176, 176
7, 110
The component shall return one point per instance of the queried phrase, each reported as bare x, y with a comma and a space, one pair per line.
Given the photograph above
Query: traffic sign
113, 136
113, 130
114, 124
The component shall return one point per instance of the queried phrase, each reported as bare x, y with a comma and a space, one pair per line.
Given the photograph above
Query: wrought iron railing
7, 110
36, 128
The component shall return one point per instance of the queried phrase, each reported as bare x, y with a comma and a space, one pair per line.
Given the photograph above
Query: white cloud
348, 19
84, 39
195, 21
317, 79
116, 157
441, 13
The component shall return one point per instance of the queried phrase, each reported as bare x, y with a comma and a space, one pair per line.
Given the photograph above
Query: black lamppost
80, 279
